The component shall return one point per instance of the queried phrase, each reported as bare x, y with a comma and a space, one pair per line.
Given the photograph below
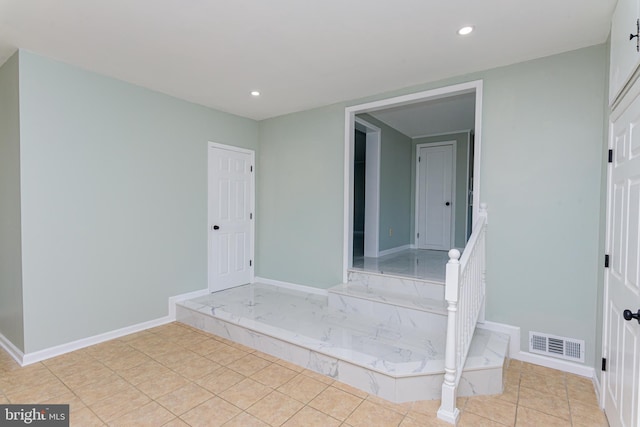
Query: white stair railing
464, 293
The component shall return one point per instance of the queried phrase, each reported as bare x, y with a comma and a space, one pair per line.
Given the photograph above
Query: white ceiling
299, 53
454, 113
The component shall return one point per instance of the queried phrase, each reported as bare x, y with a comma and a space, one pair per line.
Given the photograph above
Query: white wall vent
551, 345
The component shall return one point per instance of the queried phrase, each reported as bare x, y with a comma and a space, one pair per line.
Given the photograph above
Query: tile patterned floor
174, 375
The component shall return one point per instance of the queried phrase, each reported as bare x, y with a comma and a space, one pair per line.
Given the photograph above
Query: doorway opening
354, 224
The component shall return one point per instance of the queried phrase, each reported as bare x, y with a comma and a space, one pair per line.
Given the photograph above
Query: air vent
551, 345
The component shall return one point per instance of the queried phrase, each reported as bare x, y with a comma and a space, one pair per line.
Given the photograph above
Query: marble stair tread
400, 299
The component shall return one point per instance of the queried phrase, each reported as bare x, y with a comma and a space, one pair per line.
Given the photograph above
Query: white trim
512, 331
11, 349
598, 389
394, 250
372, 188
58, 350
561, 365
183, 297
349, 114
292, 286
454, 165
252, 206
433, 135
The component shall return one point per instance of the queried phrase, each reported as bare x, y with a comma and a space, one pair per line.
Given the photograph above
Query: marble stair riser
432, 324
412, 288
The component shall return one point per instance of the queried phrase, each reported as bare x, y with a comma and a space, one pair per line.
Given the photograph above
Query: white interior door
622, 281
434, 189
231, 195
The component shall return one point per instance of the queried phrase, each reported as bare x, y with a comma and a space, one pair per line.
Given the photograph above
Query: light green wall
462, 160
11, 322
114, 197
395, 186
541, 177
299, 208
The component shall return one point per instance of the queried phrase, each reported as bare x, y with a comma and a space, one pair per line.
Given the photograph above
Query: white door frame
349, 126
454, 144
252, 204
371, 188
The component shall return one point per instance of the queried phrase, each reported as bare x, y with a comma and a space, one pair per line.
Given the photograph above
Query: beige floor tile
84, 418
38, 392
220, 380
197, 367
212, 413
318, 377
206, 346
275, 408
401, 408
3, 400
245, 420
554, 384
544, 402
130, 358
531, 418
584, 415
102, 389
184, 399
426, 407
302, 388
581, 393
248, 365
510, 393
226, 354
349, 389
67, 398
369, 414
309, 417
245, 393
274, 375
176, 422
543, 370
162, 385
467, 419
149, 415
84, 375
415, 419
144, 372
493, 408
337, 403
265, 356
290, 365
120, 403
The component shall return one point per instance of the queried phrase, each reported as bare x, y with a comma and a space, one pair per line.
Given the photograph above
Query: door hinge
610, 156
604, 364
418, 159
606, 261
418, 236
251, 168
250, 263
250, 215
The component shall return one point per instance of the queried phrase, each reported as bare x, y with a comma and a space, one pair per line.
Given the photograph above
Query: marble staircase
381, 333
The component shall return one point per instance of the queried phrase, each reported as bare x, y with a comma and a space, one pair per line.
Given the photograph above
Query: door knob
216, 227
628, 315
447, 204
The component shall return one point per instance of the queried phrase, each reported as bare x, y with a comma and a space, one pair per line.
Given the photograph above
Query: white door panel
230, 218
622, 337
435, 202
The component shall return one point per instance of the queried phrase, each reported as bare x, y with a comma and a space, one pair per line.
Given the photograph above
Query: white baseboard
596, 385
394, 250
183, 297
294, 286
38, 356
550, 362
11, 349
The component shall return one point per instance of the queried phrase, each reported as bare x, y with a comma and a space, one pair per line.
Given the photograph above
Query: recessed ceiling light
465, 30
255, 93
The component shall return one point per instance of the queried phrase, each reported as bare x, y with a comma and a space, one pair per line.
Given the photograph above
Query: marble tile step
393, 304
396, 363
375, 282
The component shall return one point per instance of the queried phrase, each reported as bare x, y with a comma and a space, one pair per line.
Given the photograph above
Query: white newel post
448, 410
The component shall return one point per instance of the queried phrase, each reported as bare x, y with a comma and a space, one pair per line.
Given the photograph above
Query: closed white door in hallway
231, 197
434, 189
